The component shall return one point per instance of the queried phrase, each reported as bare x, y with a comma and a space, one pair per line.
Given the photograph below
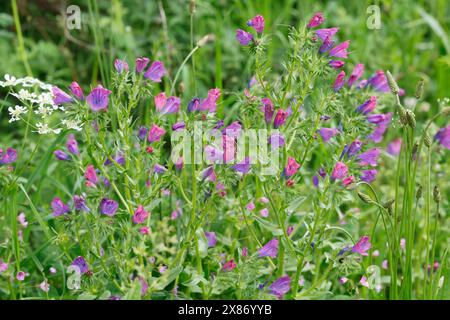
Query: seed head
419, 192
192, 7
392, 83
426, 139
364, 197
403, 116
419, 88
411, 119
436, 194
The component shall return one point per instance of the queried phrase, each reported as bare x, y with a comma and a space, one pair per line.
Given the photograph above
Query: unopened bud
205, 40
364, 197
436, 194
403, 116
181, 87
426, 139
419, 192
419, 88
411, 118
392, 83
192, 7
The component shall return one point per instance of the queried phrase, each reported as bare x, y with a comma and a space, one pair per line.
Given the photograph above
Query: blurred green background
413, 41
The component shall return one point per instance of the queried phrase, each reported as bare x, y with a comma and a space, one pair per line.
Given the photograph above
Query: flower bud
403, 116
411, 119
364, 197
205, 40
426, 139
419, 88
436, 194
192, 7
392, 83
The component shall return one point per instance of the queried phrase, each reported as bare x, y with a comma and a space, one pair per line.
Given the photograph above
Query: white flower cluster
37, 96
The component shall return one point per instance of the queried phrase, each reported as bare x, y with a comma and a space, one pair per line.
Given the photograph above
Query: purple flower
61, 155
243, 166
257, 23
354, 148
276, 140
142, 133
368, 105
243, 37
72, 145
280, 286
80, 203
9, 156
328, 133
327, 44
159, 169
394, 147
22, 219
339, 82
155, 72
167, 105
193, 105
178, 126
264, 213
270, 249
268, 109
60, 97
340, 171
210, 103
141, 64
155, 133
211, 237
369, 175
140, 215
325, 33
291, 168
81, 263
378, 132
316, 20
362, 246
315, 181
378, 118
443, 137
21, 276
213, 154
59, 207
108, 207
370, 157
336, 64
379, 81
340, 51
280, 118
233, 130
120, 66
76, 90
356, 74
98, 99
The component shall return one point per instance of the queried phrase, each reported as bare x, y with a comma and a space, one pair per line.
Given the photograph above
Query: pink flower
343, 280
291, 167
340, 51
280, 118
362, 246
44, 286
384, 264
340, 171
316, 20
210, 102
403, 243
325, 33
257, 23
368, 105
250, 206
229, 265
90, 175
144, 230
364, 282
336, 64
141, 64
140, 215
22, 220
264, 213
347, 181
120, 66
76, 90
20, 276
356, 74
339, 82
394, 147
155, 133
3, 266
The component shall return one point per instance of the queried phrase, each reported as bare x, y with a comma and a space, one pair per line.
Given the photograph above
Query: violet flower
61, 155
243, 166
369, 175
368, 105
60, 97
98, 99
270, 249
370, 157
8, 157
81, 263
280, 286
141, 64
443, 137
108, 207
243, 37
211, 237
155, 72
59, 207
362, 246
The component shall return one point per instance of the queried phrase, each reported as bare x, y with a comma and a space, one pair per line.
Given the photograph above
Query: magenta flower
327, 44
362, 246
348, 180
20, 276
155, 72
280, 286
394, 147
108, 207
243, 166
144, 230
229, 265
369, 175
72, 145
316, 20
141, 64
336, 64
356, 74
59, 207
160, 101
291, 167
81, 263
257, 23
340, 171
79, 203
368, 105
339, 82
325, 33
243, 37
155, 133
60, 97
98, 99
443, 137
120, 66
140, 215
209, 104
91, 175
280, 118
370, 157
270, 249
340, 51
268, 109
211, 238
76, 90
61, 155
8, 157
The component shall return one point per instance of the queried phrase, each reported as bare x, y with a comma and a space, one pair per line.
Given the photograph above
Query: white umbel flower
72, 124
43, 128
16, 112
